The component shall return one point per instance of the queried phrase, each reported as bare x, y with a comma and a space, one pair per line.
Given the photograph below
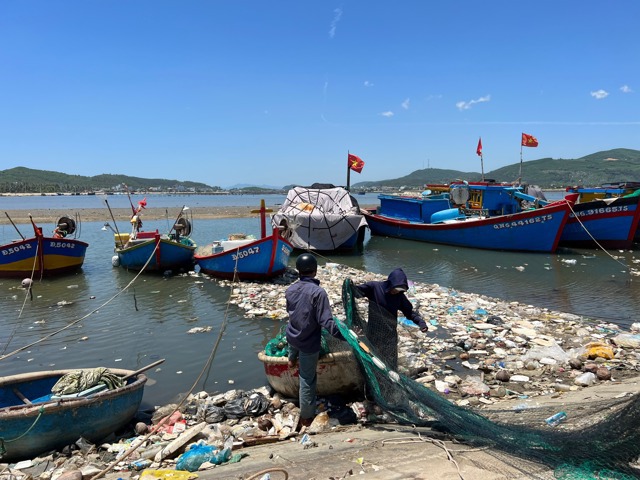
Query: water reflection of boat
321, 217
43, 256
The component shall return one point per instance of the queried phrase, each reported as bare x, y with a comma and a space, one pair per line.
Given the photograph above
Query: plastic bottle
140, 464
554, 420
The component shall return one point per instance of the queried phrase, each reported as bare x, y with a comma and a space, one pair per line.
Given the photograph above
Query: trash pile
204, 431
479, 350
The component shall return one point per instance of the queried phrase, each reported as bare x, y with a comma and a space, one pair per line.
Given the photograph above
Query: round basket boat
338, 373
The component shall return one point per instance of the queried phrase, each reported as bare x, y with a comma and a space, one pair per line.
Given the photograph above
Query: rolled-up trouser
308, 363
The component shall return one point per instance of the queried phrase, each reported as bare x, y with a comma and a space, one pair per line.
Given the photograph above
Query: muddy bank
123, 214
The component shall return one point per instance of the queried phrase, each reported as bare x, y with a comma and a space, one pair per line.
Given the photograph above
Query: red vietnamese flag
479, 149
355, 163
529, 140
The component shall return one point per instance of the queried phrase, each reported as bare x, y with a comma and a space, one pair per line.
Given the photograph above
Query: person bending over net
386, 298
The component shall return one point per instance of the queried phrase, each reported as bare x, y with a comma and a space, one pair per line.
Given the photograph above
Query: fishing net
596, 440
278, 346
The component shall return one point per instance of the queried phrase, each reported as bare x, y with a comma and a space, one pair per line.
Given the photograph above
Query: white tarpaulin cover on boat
319, 218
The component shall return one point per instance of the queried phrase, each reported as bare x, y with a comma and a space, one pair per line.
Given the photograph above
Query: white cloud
599, 94
405, 104
367, 83
626, 89
467, 105
337, 14
387, 114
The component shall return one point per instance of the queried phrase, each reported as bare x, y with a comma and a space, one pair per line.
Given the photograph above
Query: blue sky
273, 93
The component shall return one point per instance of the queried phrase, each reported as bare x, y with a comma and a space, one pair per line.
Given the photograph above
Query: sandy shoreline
123, 214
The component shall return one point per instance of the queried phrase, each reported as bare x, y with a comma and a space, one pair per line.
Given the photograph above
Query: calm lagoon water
149, 320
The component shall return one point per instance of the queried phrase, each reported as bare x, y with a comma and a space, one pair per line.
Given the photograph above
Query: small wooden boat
430, 220
245, 258
33, 421
321, 217
153, 251
43, 256
338, 373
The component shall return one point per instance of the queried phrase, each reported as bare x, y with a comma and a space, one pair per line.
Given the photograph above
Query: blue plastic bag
192, 459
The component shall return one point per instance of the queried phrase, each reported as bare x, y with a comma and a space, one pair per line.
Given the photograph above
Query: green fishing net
278, 346
601, 440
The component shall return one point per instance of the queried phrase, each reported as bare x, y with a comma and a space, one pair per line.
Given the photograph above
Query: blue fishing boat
608, 222
430, 219
607, 192
152, 251
43, 256
34, 421
244, 257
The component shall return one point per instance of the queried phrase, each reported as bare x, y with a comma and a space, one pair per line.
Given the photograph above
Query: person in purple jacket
309, 312
386, 298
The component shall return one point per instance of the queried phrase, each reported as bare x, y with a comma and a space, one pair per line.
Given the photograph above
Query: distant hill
618, 165
27, 180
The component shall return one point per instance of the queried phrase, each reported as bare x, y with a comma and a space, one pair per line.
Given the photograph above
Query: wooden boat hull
170, 255
261, 259
31, 430
611, 223
532, 230
338, 373
44, 256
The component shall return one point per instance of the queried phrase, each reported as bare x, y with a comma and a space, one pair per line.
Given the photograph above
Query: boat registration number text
600, 211
62, 245
245, 253
522, 223
19, 248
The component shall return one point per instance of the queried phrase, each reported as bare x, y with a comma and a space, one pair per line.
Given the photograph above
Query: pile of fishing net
278, 346
599, 439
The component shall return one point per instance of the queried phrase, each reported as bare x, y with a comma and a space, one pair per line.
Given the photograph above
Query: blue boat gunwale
251, 244
470, 222
152, 241
33, 409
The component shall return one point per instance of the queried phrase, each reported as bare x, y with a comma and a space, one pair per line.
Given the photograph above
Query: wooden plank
21, 396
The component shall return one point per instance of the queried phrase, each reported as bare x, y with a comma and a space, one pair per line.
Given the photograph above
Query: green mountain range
27, 180
618, 165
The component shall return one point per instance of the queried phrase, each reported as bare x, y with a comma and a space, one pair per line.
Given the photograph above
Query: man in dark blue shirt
309, 312
386, 298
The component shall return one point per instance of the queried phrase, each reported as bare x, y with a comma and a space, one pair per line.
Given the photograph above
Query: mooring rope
614, 258
75, 322
205, 368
